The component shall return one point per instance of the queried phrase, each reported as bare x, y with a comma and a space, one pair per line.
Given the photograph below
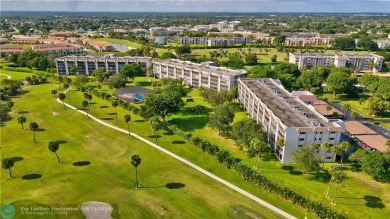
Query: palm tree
354, 115
346, 107
68, 80
336, 149
85, 105
114, 104
7, 163
155, 124
66, 87
60, 80
33, 127
257, 146
338, 177
89, 98
53, 147
62, 97
332, 171
127, 119
135, 161
345, 146
21, 120
53, 92
10, 105
326, 148
328, 108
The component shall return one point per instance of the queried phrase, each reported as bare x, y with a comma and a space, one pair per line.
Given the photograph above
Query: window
332, 132
319, 139
301, 139
301, 145
331, 145
301, 133
331, 139
328, 158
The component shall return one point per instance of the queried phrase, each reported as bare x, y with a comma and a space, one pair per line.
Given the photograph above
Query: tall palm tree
89, 98
33, 127
85, 105
114, 104
332, 171
53, 92
326, 148
336, 149
60, 80
338, 177
7, 163
345, 146
257, 146
21, 120
68, 80
135, 161
66, 87
155, 124
127, 119
346, 107
53, 147
62, 97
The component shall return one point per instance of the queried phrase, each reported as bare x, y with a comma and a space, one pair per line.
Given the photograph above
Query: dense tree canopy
221, 117
344, 43
131, 70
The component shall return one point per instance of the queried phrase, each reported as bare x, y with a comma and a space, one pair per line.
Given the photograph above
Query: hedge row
250, 175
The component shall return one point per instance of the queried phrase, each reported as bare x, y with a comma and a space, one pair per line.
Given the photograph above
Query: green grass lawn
357, 190
95, 167
118, 41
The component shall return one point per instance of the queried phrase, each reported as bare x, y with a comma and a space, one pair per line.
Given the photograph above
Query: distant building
87, 64
96, 45
308, 39
26, 40
139, 31
58, 48
369, 62
202, 28
383, 44
227, 41
63, 34
3, 40
193, 40
9, 49
198, 75
286, 117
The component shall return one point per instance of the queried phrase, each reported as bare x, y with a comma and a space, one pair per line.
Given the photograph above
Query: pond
120, 47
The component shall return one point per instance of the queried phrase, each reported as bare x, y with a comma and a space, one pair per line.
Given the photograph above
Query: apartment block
58, 48
307, 39
193, 40
26, 40
9, 49
370, 62
198, 75
286, 117
383, 43
227, 41
87, 64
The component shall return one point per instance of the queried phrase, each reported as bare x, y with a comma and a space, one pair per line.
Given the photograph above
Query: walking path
8, 76
226, 183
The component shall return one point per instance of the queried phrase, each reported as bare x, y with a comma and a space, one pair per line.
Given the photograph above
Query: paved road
226, 183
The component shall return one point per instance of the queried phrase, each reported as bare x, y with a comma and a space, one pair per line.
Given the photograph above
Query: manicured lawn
357, 190
95, 167
119, 41
103, 110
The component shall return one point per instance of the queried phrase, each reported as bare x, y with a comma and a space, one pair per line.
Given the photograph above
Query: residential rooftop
290, 110
202, 67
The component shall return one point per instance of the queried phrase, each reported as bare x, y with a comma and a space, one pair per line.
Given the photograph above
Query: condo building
87, 64
307, 39
9, 49
286, 117
58, 48
198, 75
227, 41
369, 62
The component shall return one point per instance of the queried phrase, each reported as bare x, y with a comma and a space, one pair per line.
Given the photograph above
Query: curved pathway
226, 183
8, 76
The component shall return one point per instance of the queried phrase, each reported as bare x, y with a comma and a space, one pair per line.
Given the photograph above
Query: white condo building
286, 117
87, 64
369, 62
198, 75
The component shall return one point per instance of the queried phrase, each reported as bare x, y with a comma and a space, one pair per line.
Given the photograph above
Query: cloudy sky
198, 5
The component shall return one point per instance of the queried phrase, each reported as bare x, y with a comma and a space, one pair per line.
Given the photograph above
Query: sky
327, 6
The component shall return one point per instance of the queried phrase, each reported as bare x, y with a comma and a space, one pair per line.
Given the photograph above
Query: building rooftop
378, 142
337, 55
290, 110
106, 57
202, 67
358, 128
